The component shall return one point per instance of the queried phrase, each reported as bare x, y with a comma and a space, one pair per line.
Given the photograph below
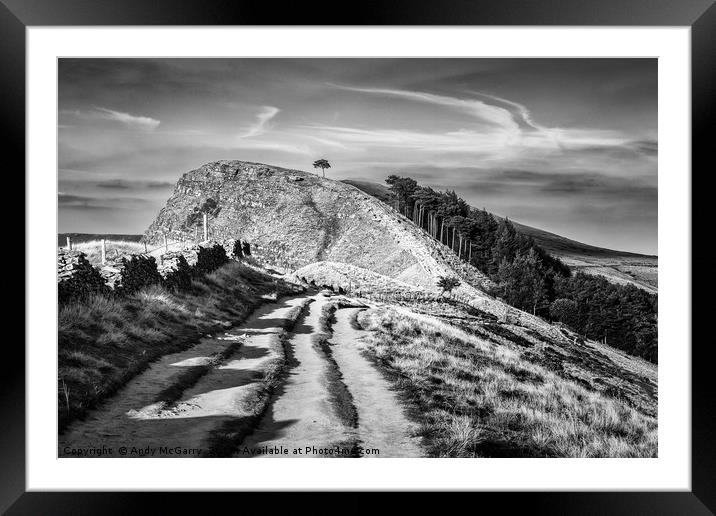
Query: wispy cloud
496, 145
460, 141
144, 123
329, 142
262, 119
504, 130
481, 111
521, 110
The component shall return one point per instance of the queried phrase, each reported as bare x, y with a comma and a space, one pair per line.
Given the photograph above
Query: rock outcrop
294, 218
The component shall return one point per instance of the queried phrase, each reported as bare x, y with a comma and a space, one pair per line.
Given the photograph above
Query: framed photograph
455, 239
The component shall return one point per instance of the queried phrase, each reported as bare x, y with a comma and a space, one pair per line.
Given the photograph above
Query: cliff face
303, 218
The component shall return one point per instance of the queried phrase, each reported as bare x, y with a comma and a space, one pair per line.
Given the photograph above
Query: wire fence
101, 250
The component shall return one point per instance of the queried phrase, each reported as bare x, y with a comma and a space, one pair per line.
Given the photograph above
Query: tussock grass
474, 398
106, 340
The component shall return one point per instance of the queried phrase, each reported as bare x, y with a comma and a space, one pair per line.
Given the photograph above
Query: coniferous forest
527, 277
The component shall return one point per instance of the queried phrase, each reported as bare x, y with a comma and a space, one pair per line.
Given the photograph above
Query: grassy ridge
477, 399
107, 340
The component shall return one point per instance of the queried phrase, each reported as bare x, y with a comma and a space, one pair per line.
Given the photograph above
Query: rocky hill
294, 219
300, 218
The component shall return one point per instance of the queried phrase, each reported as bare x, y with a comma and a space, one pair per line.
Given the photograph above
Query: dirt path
178, 406
134, 419
301, 416
381, 423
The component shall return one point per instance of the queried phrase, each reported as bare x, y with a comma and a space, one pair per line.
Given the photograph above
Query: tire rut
301, 416
307, 412
382, 423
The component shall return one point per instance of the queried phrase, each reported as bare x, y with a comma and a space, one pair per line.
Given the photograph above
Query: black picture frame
700, 15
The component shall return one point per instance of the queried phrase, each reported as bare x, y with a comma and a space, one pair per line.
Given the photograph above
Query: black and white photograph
357, 258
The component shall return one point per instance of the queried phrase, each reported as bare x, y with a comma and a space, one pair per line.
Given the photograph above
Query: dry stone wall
235, 248
206, 257
77, 277
175, 271
130, 273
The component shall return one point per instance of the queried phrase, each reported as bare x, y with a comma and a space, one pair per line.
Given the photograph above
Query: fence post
206, 227
104, 251
69, 243
145, 247
166, 246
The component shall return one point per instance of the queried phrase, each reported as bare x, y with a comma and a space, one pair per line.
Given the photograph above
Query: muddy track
301, 416
382, 423
284, 380
182, 398
307, 416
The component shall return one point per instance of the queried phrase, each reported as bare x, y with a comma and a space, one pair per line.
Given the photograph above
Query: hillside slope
332, 233
617, 266
298, 218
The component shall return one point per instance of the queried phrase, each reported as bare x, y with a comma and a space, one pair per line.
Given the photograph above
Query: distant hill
377, 190
617, 266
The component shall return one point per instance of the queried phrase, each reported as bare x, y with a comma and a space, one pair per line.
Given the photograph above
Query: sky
566, 145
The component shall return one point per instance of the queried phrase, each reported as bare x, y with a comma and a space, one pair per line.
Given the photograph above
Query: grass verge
474, 398
105, 341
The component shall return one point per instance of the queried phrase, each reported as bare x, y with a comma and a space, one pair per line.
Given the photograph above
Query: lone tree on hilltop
322, 164
447, 284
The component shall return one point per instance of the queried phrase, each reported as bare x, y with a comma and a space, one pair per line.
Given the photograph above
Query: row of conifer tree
527, 277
